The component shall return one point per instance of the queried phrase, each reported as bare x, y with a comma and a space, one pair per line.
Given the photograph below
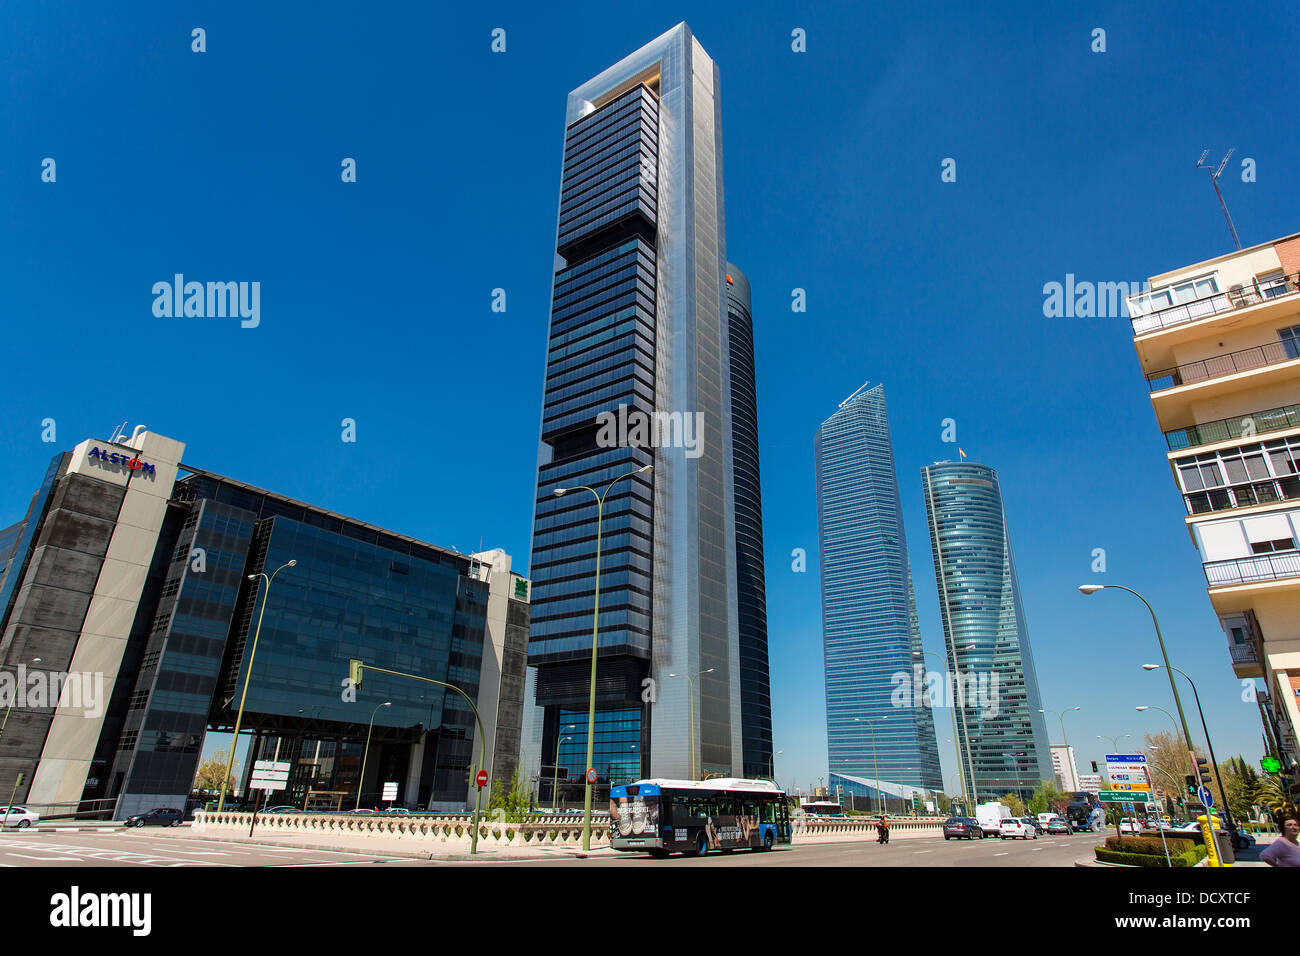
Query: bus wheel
701, 845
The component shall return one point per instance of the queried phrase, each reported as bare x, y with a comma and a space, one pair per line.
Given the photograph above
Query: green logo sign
521, 587
1270, 764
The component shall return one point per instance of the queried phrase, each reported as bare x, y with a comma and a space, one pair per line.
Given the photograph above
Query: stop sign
481, 778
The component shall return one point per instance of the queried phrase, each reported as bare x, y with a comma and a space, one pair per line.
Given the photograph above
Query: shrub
1189, 858
1150, 845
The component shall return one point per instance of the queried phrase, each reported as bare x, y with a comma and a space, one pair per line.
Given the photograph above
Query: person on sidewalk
1285, 850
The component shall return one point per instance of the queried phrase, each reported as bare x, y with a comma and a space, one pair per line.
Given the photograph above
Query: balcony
1234, 429
1246, 495
1259, 356
1213, 302
1252, 570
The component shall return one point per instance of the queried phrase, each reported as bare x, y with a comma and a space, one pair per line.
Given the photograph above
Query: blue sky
376, 295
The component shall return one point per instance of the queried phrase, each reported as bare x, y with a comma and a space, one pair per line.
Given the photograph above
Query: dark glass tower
638, 329
871, 635
751, 593
1002, 737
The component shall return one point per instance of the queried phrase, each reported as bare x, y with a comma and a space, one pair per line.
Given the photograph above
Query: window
1290, 341
1267, 547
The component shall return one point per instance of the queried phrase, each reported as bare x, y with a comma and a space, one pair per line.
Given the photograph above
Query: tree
1048, 798
515, 802
1014, 804
1242, 782
1167, 757
943, 804
210, 771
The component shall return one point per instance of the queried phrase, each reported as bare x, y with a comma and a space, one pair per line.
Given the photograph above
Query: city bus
697, 817
822, 808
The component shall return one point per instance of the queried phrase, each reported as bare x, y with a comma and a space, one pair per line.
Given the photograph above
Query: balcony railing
1237, 297
1261, 567
1274, 353
1234, 429
1243, 653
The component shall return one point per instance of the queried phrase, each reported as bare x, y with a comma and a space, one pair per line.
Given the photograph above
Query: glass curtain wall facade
1001, 734
870, 630
637, 329
751, 591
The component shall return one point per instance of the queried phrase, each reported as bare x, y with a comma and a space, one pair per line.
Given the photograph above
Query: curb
465, 857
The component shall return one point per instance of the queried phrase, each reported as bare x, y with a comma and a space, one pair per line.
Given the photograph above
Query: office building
1064, 769
129, 578
1002, 737
639, 374
870, 633
1219, 345
751, 591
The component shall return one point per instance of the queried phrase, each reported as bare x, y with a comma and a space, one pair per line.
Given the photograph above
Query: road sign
481, 778
270, 775
1205, 796
591, 775
390, 791
1134, 796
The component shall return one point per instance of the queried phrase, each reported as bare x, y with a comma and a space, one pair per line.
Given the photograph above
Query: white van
991, 815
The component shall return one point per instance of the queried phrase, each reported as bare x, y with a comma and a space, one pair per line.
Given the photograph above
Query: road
163, 848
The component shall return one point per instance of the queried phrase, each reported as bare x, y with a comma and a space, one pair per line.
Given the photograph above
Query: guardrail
1259, 356
1237, 428
1263, 567
1237, 297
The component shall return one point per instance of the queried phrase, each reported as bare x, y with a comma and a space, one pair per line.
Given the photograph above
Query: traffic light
1203, 769
1094, 766
354, 672
1191, 785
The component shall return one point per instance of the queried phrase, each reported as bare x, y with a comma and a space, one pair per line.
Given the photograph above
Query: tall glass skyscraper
1001, 735
751, 591
639, 336
870, 631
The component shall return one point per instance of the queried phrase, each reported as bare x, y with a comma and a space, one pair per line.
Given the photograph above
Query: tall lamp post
955, 738
12, 700
595, 633
1182, 719
248, 674
690, 709
1061, 717
1214, 764
1174, 723
874, 756
555, 777
366, 753
771, 764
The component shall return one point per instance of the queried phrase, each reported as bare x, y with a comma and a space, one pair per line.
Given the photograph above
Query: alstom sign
131, 462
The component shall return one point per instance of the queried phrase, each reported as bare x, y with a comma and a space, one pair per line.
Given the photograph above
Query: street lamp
1020, 779
13, 700
874, 756
595, 633
956, 746
771, 764
555, 777
366, 753
1227, 814
1187, 737
248, 674
690, 707
1066, 756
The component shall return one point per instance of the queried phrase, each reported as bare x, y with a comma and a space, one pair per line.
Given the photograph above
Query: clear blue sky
376, 295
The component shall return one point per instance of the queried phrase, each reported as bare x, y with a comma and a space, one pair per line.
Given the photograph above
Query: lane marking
1000, 854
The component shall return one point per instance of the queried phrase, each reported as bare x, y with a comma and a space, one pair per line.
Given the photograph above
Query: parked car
158, 817
1058, 825
1130, 825
963, 828
1011, 827
21, 818
1038, 827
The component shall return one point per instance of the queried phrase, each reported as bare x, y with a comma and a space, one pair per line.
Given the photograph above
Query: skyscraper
1219, 344
870, 631
1001, 736
638, 373
751, 593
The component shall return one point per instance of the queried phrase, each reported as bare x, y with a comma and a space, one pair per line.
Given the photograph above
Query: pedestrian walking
1285, 850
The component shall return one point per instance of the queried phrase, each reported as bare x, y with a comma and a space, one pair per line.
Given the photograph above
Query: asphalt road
159, 848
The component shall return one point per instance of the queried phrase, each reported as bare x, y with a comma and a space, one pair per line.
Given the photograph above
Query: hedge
1150, 845
1189, 858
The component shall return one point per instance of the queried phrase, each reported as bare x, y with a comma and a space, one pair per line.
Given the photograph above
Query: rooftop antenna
1214, 178
855, 394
